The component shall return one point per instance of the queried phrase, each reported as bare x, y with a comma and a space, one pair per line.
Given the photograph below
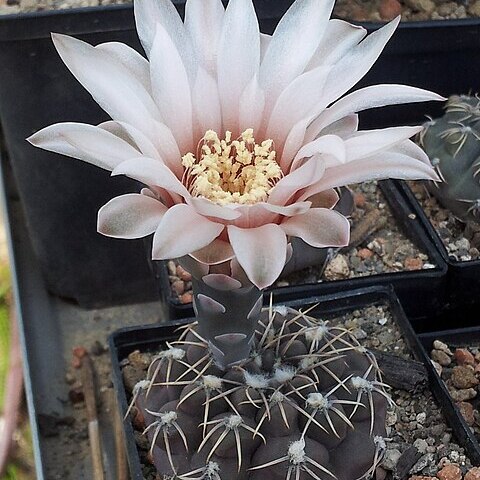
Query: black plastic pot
455, 338
61, 196
150, 338
421, 292
463, 278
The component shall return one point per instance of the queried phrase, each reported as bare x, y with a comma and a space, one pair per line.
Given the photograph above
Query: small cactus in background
453, 144
308, 403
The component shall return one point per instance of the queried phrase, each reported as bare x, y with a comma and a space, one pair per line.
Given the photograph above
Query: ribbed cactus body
307, 404
453, 144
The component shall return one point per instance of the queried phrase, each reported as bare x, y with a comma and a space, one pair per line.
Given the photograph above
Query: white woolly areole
141, 385
359, 383
173, 353
212, 382
258, 382
168, 418
277, 397
380, 443
211, 469
316, 334
284, 374
317, 401
233, 421
307, 362
296, 452
282, 310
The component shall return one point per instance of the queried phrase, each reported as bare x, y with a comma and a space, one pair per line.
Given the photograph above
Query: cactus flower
239, 137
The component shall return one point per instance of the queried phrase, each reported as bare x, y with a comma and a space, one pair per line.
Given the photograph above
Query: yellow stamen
225, 171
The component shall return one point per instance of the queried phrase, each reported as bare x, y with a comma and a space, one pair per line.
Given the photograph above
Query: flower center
232, 171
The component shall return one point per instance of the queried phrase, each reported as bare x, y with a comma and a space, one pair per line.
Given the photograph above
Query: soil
462, 240
380, 247
420, 441
356, 10
459, 368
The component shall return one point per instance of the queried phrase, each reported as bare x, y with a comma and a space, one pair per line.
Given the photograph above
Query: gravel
462, 240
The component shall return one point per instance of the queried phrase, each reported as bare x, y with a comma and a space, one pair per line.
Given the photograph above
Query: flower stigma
232, 171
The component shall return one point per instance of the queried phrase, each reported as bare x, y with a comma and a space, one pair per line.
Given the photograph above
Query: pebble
178, 287
450, 472
338, 268
463, 395
464, 357
437, 367
186, 298
391, 458
463, 377
441, 358
473, 474
421, 445
389, 9
182, 274
439, 345
365, 253
466, 409
360, 200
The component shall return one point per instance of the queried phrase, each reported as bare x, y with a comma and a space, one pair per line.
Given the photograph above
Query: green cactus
452, 143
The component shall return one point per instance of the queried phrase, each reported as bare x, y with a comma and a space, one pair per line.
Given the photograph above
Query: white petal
238, 58
150, 13
261, 252
358, 61
183, 231
370, 142
264, 44
85, 142
168, 147
112, 85
131, 60
133, 136
330, 147
339, 38
296, 101
130, 216
153, 173
412, 150
206, 103
290, 210
171, 88
343, 128
205, 207
252, 104
203, 21
293, 44
319, 227
378, 167
369, 97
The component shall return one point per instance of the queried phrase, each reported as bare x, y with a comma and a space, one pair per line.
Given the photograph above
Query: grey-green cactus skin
308, 403
453, 144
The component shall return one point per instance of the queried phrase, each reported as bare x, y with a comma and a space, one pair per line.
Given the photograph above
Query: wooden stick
93, 430
120, 454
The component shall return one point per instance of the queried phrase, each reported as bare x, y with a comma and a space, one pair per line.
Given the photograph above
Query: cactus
306, 398
452, 143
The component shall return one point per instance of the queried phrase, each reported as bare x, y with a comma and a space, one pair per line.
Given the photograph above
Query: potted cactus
240, 142
451, 208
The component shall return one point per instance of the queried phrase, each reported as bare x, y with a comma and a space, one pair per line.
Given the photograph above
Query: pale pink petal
238, 58
149, 14
370, 142
327, 199
265, 40
131, 60
85, 142
216, 253
296, 101
133, 136
357, 62
113, 86
255, 215
130, 216
309, 173
251, 108
293, 143
378, 167
412, 150
293, 45
260, 251
153, 173
288, 211
369, 97
206, 103
319, 227
203, 21
203, 206
339, 38
221, 282
183, 231
330, 147
167, 145
171, 88
343, 128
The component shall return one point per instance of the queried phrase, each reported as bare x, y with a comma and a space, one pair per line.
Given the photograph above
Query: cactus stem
208, 472
137, 389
